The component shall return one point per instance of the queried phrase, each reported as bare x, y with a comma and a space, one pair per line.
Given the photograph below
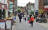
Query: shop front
3, 9
46, 12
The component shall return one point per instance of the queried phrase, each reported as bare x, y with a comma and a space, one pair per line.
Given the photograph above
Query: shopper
25, 17
20, 16
31, 20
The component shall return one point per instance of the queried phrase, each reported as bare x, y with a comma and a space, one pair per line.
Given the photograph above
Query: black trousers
20, 20
25, 19
31, 23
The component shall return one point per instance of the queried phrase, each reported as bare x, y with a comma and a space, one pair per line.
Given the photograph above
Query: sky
20, 2
24, 2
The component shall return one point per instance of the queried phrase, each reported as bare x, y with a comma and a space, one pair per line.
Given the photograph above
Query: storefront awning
45, 9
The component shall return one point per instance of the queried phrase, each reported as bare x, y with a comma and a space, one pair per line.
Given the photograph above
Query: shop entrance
2, 13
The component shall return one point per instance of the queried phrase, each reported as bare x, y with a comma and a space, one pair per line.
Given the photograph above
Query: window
45, 2
47, 13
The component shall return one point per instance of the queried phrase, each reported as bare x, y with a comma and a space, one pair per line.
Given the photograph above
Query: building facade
43, 4
4, 8
12, 5
29, 7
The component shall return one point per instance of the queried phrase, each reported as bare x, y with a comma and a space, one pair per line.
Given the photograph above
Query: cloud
24, 2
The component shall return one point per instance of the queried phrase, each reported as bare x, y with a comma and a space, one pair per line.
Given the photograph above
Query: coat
20, 16
31, 19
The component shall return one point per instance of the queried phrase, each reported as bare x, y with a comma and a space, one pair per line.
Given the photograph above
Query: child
25, 17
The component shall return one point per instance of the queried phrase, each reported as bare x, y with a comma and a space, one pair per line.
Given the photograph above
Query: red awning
46, 9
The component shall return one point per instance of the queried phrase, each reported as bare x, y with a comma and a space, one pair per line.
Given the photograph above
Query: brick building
41, 4
12, 5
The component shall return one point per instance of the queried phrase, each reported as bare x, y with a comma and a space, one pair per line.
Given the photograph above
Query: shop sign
11, 5
46, 6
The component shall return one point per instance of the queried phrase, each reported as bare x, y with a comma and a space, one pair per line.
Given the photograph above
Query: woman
31, 20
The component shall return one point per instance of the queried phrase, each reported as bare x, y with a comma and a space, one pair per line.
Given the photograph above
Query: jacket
31, 19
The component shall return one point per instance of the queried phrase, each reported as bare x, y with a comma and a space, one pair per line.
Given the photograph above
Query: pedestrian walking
20, 16
28, 17
31, 20
25, 17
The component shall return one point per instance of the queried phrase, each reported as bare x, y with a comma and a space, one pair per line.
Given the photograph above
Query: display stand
2, 24
8, 24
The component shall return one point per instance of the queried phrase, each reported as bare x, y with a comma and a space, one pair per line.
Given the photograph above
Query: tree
19, 11
32, 12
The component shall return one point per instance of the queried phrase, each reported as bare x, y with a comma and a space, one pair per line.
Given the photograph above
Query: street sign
11, 6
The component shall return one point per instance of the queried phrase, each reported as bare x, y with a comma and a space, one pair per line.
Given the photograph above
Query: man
20, 16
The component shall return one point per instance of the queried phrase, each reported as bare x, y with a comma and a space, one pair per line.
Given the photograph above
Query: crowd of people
29, 18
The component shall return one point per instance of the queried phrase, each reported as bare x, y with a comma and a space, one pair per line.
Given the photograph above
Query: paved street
26, 26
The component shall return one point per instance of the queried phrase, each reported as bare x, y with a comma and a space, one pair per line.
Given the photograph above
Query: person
28, 17
20, 16
25, 17
31, 20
